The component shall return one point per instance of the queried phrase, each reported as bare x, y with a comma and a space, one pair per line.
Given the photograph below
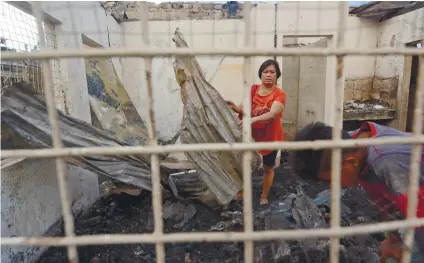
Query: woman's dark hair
306, 163
268, 63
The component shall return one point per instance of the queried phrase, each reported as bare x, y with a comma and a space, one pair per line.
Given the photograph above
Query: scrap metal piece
208, 119
24, 120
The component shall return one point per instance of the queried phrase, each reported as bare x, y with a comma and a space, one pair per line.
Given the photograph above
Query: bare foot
263, 201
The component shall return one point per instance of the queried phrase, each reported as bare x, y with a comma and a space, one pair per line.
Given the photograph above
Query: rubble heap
291, 207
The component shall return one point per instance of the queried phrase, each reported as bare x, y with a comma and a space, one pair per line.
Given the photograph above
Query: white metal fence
248, 236
18, 32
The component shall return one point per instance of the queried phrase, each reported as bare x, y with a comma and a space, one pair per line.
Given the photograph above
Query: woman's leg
268, 179
267, 182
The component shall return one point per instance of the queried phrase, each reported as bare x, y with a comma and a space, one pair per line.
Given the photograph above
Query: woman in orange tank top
268, 103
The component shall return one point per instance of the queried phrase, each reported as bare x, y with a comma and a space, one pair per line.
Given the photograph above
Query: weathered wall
110, 104
225, 74
30, 202
166, 92
197, 11
397, 32
312, 82
166, 11
321, 19
30, 197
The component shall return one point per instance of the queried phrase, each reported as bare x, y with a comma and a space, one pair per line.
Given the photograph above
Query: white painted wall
77, 19
30, 197
321, 18
225, 74
30, 202
166, 91
396, 32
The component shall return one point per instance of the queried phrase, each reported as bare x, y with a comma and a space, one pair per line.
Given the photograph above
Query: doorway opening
304, 79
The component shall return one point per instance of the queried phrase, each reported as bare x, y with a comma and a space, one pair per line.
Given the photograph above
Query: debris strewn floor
133, 214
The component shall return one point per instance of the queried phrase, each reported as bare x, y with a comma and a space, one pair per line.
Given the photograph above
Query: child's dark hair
306, 163
268, 63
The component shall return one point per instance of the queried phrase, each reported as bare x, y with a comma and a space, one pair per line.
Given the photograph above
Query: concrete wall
312, 83
186, 11
397, 32
225, 73
78, 19
29, 197
305, 23
30, 203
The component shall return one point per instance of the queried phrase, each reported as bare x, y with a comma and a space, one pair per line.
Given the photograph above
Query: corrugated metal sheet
207, 119
383, 10
25, 125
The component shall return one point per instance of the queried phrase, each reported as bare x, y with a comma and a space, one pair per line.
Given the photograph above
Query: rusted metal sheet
207, 119
110, 104
25, 125
383, 10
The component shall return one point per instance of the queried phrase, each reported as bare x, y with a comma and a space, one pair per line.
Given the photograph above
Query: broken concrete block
357, 94
217, 7
349, 85
348, 95
208, 6
375, 95
179, 212
365, 95
196, 8
177, 6
166, 6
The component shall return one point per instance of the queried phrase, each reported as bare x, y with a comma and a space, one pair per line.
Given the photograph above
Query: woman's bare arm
276, 108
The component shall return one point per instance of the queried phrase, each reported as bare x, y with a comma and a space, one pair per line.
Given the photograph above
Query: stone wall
167, 11
372, 88
191, 11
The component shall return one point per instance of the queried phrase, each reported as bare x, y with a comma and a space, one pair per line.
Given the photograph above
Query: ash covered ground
133, 214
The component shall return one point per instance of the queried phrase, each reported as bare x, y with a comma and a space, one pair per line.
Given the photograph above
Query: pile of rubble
290, 208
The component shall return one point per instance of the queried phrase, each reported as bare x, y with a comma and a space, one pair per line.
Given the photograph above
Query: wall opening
304, 79
18, 33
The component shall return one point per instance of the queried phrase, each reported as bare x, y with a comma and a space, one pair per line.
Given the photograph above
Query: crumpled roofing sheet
25, 125
383, 10
208, 119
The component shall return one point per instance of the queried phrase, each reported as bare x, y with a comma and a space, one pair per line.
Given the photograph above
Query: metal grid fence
248, 236
18, 32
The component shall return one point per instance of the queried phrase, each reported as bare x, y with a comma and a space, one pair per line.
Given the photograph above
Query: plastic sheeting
208, 119
25, 125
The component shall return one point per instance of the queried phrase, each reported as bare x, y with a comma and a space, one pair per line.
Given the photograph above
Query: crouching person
383, 171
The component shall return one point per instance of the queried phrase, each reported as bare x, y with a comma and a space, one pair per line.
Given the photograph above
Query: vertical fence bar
414, 182
61, 168
247, 135
338, 120
156, 184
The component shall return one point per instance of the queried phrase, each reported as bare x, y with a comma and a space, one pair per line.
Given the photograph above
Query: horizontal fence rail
121, 150
170, 52
211, 236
